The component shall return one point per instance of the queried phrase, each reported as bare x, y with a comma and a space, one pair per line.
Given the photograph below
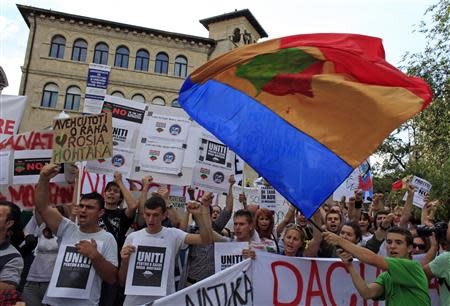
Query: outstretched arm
132, 204
406, 214
202, 217
50, 215
146, 181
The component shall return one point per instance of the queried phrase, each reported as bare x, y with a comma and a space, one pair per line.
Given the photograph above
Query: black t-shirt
117, 223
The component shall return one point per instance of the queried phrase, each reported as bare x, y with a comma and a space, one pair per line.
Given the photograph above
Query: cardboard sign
148, 268
12, 108
82, 138
227, 254
97, 83
73, 274
421, 188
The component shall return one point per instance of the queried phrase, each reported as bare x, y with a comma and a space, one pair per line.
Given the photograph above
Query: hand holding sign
49, 171
126, 252
87, 248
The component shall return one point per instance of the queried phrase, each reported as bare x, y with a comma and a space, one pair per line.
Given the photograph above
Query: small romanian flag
304, 110
400, 184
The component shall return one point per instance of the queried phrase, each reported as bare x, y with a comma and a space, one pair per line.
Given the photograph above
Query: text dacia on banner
23, 194
82, 138
97, 83
360, 178
12, 108
421, 188
282, 280
227, 254
232, 286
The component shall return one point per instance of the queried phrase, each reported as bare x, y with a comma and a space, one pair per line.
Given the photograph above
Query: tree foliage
426, 152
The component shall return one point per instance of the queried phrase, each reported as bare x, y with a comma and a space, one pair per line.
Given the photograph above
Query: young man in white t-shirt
155, 212
84, 237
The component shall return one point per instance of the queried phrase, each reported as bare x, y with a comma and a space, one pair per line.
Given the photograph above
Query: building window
158, 101
118, 94
101, 54
50, 95
142, 58
138, 98
162, 63
79, 51
122, 54
57, 47
180, 66
176, 104
73, 97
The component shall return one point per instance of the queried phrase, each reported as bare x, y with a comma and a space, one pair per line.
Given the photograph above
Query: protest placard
122, 161
166, 128
148, 268
82, 138
73, 274
360, 178
12, 108
421, 188
127, 118
268, 197
28, 164
161, 157
97, 83
227, 254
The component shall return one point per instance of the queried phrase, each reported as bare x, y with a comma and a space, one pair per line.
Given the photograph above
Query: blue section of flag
299, 167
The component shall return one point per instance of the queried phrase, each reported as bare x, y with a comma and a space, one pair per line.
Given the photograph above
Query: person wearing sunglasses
420, 245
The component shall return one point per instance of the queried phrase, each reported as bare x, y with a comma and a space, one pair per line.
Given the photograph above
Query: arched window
50, 95
79, 50
176, 104
101, 54
162, 63
73, 97
118, 94
158, 101
57, 47
180, 66
142, 58
122, 54
138, 98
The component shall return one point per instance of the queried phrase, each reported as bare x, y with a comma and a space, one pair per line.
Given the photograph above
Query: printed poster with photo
127, 118
27, 165
122, 161
73, 274
161, 158
148, 268
163, 128
227, 254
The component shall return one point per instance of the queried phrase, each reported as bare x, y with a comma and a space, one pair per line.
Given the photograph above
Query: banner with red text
12, 108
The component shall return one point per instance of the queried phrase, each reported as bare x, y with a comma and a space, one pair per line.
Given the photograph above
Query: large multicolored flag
304, 110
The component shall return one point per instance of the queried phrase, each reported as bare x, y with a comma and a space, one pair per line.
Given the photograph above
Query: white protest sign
166, 128
268, 197
421, 188
12, 108
127, 119
360, 178
5, 165
161, 157
122, 161
28, 164
148, 268
73, 274
97, 82
232, 286
227, 254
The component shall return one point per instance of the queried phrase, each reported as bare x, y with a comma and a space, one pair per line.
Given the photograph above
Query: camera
439, 229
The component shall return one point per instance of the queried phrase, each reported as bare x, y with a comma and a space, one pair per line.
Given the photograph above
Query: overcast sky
392, 20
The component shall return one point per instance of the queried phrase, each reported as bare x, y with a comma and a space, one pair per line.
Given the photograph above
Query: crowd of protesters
374, 233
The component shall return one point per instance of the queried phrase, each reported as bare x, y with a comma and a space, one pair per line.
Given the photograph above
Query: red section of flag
398, 185
362, 58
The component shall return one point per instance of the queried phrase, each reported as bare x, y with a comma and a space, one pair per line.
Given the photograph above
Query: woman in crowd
365, 224
264, 226
351, 232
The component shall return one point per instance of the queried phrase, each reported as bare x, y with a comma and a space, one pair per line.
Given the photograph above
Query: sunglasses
420, 246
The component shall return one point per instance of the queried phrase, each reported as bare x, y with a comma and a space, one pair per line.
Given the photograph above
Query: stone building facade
146, 64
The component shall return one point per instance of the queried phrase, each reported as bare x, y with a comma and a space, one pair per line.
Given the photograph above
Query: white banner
122, 161
421, 188
232, 286
28, 164
166, 128
97, 82
148, 268
360, 178
73, 274
227, 254
12, 108
162, 158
